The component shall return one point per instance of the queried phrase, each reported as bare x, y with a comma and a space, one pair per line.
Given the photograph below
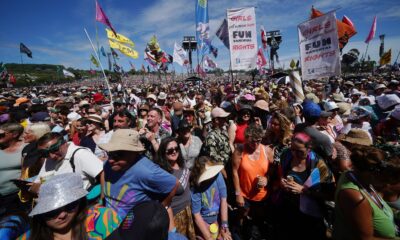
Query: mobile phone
290, 178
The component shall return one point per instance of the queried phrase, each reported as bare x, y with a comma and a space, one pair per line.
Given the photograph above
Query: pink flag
263, 37
101, 17
261, 61
347, 20
371, 34
200, 71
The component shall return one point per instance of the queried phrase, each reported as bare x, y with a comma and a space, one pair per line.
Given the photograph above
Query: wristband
224, 225
238, 193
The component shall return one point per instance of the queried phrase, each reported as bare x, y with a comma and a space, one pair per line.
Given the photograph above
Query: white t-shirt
86, 164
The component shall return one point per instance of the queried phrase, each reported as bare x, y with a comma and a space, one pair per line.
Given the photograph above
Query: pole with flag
370, 36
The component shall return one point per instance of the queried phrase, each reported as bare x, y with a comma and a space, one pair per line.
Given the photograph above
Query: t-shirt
207, 201
142, 182
10, 168
86, 163
192, 152
182, 198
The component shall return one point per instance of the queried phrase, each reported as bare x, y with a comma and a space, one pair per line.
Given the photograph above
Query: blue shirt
208, 202
143, 181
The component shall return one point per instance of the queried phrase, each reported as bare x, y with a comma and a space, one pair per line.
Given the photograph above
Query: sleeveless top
248, 172
239, 134
382, 219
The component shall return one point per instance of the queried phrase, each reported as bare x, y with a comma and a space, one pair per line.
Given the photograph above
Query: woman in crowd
78, 131
297, 165
62, 212
189, 144
170, 159
250, 177
190, 117
209, 205
142, 115
325, 127
360, 211
95, 132
236, 129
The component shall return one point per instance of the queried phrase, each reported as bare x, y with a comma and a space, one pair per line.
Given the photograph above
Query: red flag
101, 17
263, 37
347, 20
261, 61
12, 79
371, 34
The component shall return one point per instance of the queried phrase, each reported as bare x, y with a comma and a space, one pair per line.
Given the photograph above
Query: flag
109, 61
94, 61
68, 73
12, 79
223, 34
93, 72
347, 20
263, 37
292, 64
124, 49
214, 51
261, 61
143, 68
345, 31
153, 44
386, 57
103, 52
180, 56
101, 17
114, 53
372, 31
132, 66
201, 71
202, 24
25, 49
119, 38
297, 87
148, 68
208, 62
3, 72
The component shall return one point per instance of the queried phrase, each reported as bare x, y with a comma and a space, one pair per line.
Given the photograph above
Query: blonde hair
39, 129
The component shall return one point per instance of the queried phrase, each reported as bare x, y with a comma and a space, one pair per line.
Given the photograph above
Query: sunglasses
259, 140
68, 208
172, 150
116, 154
2, 135
52, 149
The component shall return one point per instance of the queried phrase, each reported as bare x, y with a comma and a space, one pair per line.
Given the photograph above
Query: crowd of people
216, 159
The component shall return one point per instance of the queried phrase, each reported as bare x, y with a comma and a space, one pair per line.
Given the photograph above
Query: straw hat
95, 118
219, 113
358, 136
262, 104
210, 172
59, 191
124, 140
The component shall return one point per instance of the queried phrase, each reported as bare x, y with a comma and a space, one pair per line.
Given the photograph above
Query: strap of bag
71, 160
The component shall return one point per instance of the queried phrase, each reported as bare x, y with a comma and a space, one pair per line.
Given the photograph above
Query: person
62, 212
78, 131
132, 178
209, 204
94, 132
250, 177
297, 165
170, 159
324, 125
10, 166
236, 129
142, 115
360, 212
63, 157
189, 144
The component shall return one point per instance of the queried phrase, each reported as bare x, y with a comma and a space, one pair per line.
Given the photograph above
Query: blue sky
53, 30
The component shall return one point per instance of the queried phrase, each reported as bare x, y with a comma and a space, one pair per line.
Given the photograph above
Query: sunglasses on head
172, 150
52, 149
67, 208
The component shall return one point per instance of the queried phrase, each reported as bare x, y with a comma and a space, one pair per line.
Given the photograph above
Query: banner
25, 49
124, 49
68, 73
242, 38
386, 58
319, 47
223, 34
180, 56
119, 38
202, 25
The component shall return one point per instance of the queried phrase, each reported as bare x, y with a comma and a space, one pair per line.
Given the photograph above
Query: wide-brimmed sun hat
219, 113
210, 172
357, 136
95, 118
59, 191
124, 140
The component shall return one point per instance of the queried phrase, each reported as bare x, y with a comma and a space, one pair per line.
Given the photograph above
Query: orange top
248, 172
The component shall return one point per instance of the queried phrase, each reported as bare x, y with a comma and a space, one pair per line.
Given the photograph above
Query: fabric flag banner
94, 61
124, 49
297, 86
114, 54
103, 52
68, 73
200, 71
292, 64
119, 38
372, 31
101, 17
25, 49
209, 63
319, 47
242, 38
223, 33
12, 79
344, 30
214, 51
347, 20
261, 61
263, 37
132, 66
202, 25
386, 57
180, 56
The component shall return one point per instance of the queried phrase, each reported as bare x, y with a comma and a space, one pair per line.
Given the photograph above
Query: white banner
242, 38
319, 47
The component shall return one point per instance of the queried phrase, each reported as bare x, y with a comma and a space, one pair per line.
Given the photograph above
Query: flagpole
102, 69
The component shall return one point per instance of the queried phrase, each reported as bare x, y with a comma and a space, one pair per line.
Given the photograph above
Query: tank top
248, 172
382, 219
240, 128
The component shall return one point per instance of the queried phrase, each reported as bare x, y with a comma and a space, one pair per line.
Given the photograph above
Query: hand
262, 181
142, 131
240, 201
150, 136
225, 234
297, 110
294, 187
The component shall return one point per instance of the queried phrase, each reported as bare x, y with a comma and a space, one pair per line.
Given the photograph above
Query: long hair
285, 134
197, 170
161, 158
40, 230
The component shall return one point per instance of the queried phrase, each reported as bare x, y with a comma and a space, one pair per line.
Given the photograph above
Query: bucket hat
124, 140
